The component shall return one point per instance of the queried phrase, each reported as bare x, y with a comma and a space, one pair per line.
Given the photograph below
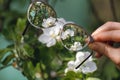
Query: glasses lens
38, 11
73, 37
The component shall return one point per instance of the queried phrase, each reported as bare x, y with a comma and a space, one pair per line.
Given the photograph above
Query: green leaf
8, 59
33, 72
28, 70
29, 50
73, 76
3, 52
110, 71
20, 26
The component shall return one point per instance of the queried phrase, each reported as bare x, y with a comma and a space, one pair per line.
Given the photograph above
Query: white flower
37, 75
48, 22
87, 67
76, 46
71, 67
51, 34
53, 74
82, 55
62, 20
67, 33
60, 23
71, 64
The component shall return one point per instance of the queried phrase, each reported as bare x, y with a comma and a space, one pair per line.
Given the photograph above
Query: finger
107, 27
98, 55
112, 53
108, 36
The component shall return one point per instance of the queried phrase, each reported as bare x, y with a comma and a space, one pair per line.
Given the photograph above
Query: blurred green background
90, 14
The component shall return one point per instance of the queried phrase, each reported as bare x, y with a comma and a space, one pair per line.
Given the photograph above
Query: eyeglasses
72, 35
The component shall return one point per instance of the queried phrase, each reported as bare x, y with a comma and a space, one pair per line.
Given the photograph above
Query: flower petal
44, 38
51, 43
89, 67
48, 22
80, 56
46, 31
83, 55
70, 64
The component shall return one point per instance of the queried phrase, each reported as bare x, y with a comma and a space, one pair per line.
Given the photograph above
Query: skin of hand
110, 31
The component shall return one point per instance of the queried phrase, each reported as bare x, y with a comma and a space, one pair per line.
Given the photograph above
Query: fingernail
98, 55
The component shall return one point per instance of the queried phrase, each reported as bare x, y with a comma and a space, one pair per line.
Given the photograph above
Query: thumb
110, 52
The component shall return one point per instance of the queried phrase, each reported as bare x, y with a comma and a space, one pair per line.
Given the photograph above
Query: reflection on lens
73, 37
38, 11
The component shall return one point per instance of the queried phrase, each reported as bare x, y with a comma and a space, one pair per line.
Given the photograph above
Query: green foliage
73, 76
3, 51
91, 78
110, 72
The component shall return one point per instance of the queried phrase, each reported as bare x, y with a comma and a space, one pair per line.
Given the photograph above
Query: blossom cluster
51, 31
52, 28
87, 67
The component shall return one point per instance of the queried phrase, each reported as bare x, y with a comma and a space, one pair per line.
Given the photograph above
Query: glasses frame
28, 24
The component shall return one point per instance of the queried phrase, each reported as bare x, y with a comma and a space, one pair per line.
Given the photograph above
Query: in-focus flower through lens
73, 37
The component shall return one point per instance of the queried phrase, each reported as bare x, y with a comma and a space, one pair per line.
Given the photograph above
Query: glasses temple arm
26, 28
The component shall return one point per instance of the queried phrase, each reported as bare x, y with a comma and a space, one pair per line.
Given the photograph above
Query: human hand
110, 31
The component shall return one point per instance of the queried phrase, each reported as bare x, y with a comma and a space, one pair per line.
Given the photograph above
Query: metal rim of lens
77, 26
29, 8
